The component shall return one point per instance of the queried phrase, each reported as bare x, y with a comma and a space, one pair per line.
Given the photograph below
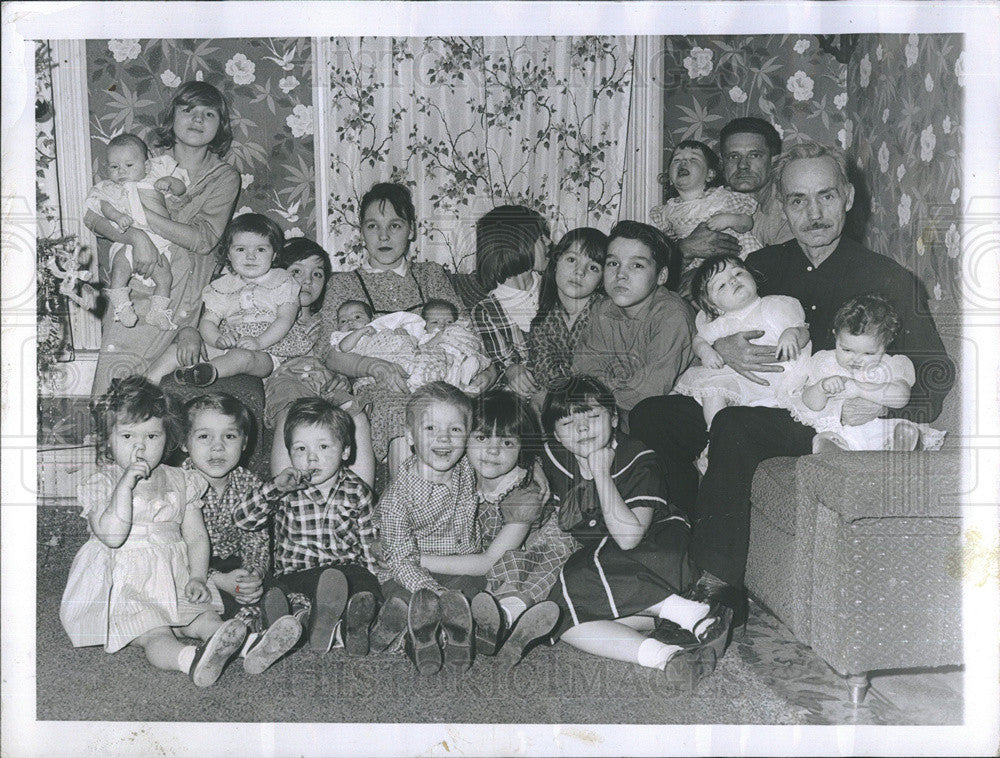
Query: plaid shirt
502, 340
312, 531
551, 342
418, 517
219, 514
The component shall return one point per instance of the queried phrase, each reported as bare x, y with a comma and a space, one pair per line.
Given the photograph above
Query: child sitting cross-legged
323, 531
429, 508
217, 429
524, 546
633, 564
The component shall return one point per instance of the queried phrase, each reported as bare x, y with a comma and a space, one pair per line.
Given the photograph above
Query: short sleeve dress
248, 308
772, 315
114, 595
601, 581
876, 434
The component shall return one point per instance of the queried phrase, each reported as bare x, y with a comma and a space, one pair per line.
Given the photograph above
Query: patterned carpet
552, 685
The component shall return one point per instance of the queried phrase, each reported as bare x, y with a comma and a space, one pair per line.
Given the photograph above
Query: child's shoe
489, 627
278, 639
198, 375
423, 620
120, 299
390, 624
274, 605
713, 630
331, 597
534, 624
159, 315
358, 617
211, 656
687, 667
456, 628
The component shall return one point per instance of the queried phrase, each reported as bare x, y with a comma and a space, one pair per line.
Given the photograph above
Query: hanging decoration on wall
63, 275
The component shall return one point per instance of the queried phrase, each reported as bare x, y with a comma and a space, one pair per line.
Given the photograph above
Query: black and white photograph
466, 378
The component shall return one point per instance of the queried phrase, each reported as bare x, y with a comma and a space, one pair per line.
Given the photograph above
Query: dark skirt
602, 582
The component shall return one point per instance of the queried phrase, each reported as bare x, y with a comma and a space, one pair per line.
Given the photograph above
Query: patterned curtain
468, 123
906, 94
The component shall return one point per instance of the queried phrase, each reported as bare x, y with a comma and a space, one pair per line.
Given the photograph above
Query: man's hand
744, 357
337, 383
704, 243
858, 410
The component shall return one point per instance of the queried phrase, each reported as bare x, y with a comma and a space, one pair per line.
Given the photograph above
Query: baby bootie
120, 300
159, 315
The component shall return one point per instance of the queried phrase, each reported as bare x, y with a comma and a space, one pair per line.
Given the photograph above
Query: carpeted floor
552, 685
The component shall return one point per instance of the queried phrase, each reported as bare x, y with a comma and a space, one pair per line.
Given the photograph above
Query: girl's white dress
114, 595
771, 314
874, 435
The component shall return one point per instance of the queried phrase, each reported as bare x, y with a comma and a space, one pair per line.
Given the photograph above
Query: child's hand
196, 591
851, 388
834, 385
124, 222
520, 380
712, 359
249, 587
248, 343
138, 469
226, 341
788, 346
162, 184
291, 480
539, 478
718, 222
600, 460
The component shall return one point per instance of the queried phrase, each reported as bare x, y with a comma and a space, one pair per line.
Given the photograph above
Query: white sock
186, 657
512, 608
251, 638
655, 654
683, 612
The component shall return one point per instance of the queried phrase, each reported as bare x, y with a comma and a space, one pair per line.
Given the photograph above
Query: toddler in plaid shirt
323, 530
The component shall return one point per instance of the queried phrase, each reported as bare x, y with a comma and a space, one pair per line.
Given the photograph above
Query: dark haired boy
638, 341
323, 531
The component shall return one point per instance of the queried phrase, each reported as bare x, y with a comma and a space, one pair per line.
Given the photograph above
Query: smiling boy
639, 340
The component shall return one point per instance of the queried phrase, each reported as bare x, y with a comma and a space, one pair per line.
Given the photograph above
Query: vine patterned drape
268, 83
468, 123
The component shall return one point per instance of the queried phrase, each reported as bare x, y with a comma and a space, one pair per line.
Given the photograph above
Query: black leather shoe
670, 633
734, 598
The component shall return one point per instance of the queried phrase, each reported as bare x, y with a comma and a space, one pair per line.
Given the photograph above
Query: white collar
400, 270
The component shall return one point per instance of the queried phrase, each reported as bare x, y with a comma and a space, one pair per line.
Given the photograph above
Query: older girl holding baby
196, 133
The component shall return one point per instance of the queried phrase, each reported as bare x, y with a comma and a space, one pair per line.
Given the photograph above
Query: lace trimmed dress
771, 314
114, 595
247, 308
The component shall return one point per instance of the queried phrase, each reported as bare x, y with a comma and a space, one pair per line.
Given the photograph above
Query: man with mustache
822, 269
748, 146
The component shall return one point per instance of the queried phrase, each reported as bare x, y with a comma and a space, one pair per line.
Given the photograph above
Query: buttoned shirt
312, 530
219, 513
416, 517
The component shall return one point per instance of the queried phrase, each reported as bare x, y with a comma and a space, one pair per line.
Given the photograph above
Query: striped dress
601, 581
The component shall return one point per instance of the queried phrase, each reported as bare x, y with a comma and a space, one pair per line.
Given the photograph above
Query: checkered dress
311, 530
551, 342
219, 513
530, 572
416, 517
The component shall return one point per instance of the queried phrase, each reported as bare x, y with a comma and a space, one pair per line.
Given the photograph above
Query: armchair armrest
879, 484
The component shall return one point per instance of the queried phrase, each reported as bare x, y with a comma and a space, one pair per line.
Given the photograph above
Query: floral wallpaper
268, 83
472, 122
906, 96
793, 81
